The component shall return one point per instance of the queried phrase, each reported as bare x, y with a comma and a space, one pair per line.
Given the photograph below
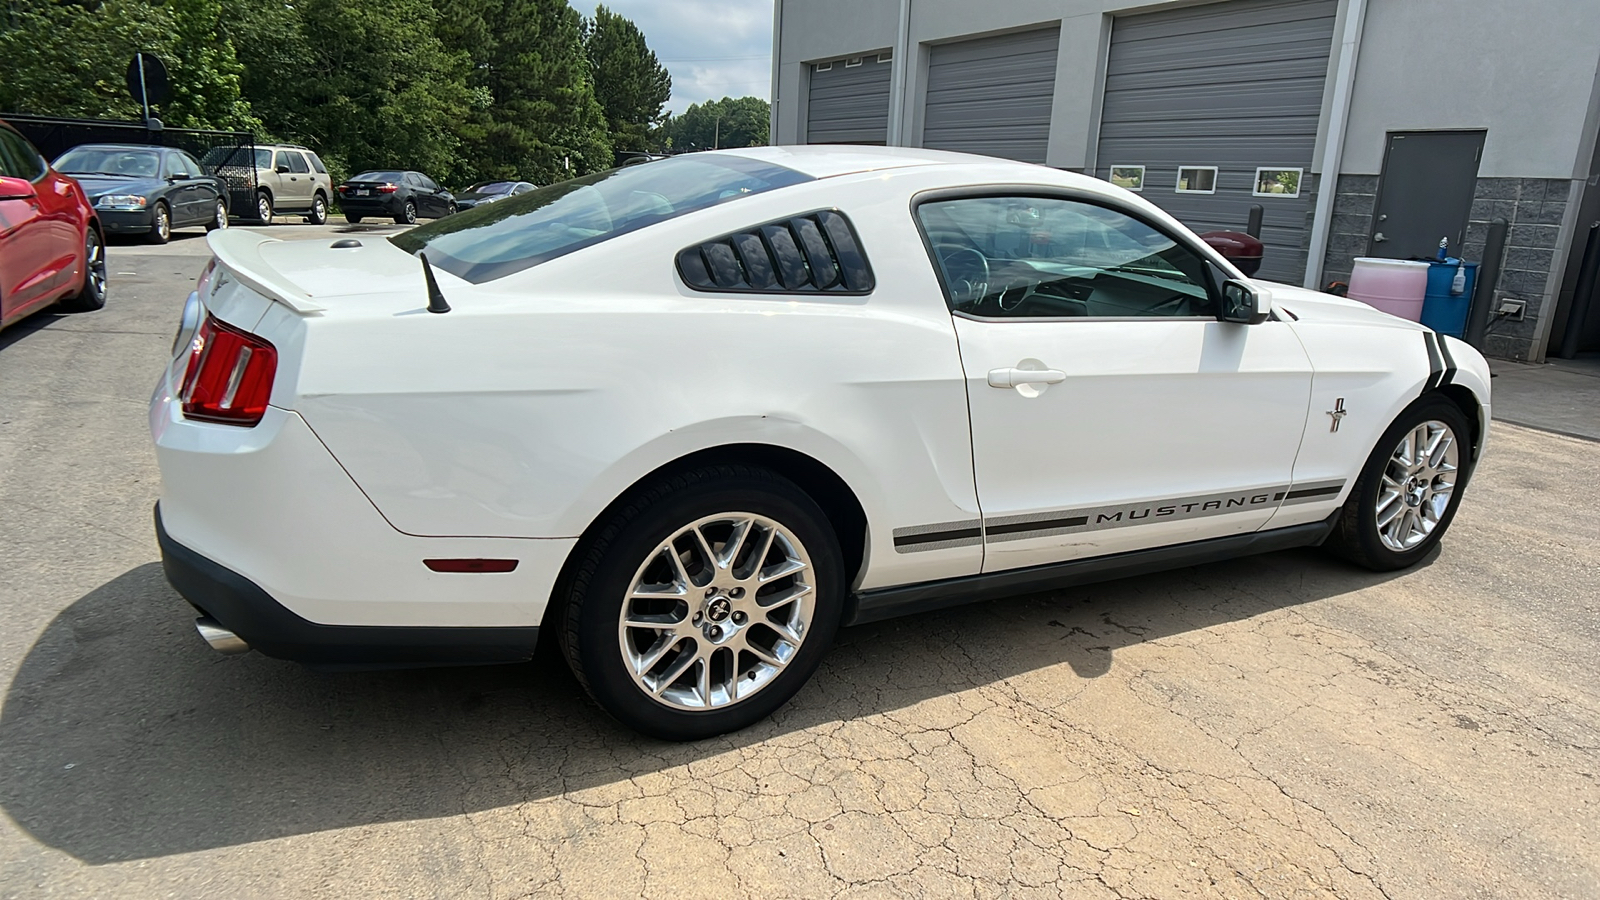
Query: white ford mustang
689, 418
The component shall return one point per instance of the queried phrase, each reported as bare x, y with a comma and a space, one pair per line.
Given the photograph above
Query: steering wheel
961, 282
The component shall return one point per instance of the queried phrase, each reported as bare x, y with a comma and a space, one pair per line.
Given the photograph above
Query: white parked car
690, 418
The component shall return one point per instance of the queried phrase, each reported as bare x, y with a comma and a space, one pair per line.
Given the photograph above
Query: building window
852, 63
824, 67
1197, 179
1278, 182
1130, 177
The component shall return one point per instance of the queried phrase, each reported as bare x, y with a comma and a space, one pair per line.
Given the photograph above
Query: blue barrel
1443, 311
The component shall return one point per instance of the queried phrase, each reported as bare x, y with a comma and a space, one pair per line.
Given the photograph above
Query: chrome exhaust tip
221, 639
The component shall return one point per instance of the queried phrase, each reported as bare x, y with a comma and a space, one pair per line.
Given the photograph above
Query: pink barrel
1396, 286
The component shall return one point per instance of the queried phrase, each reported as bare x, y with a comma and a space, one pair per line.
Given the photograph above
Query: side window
413, 179
184, 164
316, 163
297, 162
427, 182
807, 254
171, 166
1032, 257
280, 160
12, 162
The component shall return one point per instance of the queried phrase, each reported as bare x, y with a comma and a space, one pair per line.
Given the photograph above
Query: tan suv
289, 179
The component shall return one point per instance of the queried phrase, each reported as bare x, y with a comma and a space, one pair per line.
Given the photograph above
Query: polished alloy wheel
717, 611
1417, 485
163, 225
221, 215
264, 209
95, 264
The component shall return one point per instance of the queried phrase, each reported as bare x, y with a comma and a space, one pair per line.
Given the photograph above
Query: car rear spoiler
240, 252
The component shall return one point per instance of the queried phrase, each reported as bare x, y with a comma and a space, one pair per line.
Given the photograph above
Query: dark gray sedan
491, 191
146, 190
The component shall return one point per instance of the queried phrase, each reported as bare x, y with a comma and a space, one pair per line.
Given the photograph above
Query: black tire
353, 220
1356, 534
92, 295
408, 215
452, 211
319, 210
160, 224
603, 574
263, 210
219, 216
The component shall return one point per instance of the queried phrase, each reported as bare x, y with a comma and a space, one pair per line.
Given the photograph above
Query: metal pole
1494, 252
144, 94
1254, 228
1338, 121
1582, 295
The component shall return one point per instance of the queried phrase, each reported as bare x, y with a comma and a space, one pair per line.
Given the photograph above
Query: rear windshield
492, 187
396, 177
497, 239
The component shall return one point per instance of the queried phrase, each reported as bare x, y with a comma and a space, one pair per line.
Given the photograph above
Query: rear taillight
342, 188
229, 377
388, 188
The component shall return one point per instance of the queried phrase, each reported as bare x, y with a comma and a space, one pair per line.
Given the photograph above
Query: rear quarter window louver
817, 253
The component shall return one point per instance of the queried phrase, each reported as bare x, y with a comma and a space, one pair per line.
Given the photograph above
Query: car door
295, 184
204, 191
181, 188
433, 201
38, 236
1111, 410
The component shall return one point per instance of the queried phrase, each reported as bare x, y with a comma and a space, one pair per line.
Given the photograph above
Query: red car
51, 245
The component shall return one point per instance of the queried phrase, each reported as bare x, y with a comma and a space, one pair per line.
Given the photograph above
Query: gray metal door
992, 95
1236, 86
1425, 192
849, 101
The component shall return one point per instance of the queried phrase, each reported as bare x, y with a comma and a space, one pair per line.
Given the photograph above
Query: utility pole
716, 137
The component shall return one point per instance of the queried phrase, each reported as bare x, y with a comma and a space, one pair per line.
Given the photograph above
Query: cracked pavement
1283, 726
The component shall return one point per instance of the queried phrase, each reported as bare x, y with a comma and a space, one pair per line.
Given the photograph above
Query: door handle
1014, 377
1379, 238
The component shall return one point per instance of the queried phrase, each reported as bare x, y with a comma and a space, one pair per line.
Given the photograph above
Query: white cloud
713, 48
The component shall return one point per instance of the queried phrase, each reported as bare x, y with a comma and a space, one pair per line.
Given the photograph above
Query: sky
713, 48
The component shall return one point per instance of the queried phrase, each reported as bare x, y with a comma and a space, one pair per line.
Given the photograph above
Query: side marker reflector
470, 565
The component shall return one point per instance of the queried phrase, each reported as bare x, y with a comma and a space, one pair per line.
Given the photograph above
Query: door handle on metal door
1013, 377
1379, 238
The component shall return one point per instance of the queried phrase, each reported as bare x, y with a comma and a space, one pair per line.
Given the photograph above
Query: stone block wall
1535, 208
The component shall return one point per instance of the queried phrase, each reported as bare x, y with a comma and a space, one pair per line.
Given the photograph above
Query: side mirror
1244, 303
16, 189
282, 170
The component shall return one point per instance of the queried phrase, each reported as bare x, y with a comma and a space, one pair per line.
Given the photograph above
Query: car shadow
125, 737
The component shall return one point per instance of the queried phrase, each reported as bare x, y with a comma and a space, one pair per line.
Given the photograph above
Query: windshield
497, 239
380, 176
491, 187
217, 157
110, 161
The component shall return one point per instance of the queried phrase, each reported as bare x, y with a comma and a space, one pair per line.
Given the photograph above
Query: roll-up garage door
992, 95
849, 101
1230, 94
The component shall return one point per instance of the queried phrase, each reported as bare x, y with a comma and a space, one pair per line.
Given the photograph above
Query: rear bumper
267, 625
368, 206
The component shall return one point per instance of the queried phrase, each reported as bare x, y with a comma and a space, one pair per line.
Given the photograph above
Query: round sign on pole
147, 80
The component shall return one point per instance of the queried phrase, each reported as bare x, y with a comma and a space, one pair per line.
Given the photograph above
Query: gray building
1438, 116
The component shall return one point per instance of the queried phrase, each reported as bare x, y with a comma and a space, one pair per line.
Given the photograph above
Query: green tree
630, 83
67, 59
729, 122
368, 83
535, 115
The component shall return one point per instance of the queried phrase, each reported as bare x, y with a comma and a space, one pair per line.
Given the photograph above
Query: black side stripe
1315, 492
934, 537
1449, 361
1019, 527
1435, 361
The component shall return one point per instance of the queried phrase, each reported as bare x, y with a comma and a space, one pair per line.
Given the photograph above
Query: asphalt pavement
1281, 726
